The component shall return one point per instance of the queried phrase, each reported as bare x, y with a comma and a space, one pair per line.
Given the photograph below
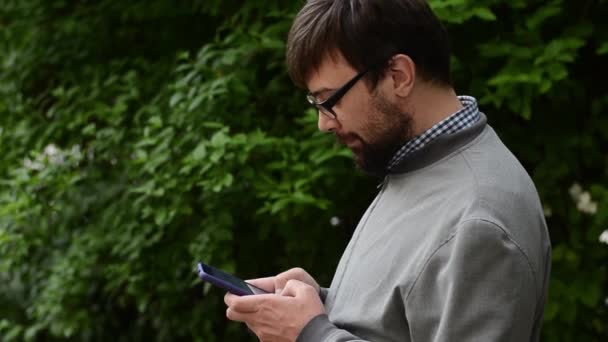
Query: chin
369, 169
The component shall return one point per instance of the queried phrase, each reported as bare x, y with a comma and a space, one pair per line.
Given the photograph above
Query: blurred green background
138, 137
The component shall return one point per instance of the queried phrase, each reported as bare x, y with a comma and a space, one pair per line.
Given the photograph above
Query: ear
403, 73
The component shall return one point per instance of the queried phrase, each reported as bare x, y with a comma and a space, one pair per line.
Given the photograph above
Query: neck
431, 104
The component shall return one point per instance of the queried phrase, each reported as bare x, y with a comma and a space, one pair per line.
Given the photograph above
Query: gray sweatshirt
453, 248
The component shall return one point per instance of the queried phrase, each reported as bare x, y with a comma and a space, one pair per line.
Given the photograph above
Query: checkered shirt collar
460, 120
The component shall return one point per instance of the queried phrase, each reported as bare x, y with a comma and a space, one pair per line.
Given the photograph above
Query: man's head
363, 61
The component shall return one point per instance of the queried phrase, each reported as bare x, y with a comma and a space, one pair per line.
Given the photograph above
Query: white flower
575, 191
585, 204
583, 200
335, 221
54, 154
51, 150
76, 151
32, 165
604, 239
547, 211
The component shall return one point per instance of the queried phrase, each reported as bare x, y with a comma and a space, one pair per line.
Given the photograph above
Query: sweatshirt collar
462, 119
439, 148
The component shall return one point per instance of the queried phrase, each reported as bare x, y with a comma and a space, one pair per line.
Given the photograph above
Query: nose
327, 124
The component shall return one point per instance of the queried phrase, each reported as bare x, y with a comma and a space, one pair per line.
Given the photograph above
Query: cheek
371, 124
384, 119
375, 127
356, 115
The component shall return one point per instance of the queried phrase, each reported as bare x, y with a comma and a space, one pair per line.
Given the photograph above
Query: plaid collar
460, 120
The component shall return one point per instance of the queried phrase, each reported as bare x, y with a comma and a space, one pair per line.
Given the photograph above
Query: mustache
344, 139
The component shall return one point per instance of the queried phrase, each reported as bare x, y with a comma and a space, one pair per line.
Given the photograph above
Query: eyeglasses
326, 106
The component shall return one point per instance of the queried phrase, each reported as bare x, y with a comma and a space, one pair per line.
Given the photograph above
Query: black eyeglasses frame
326, 106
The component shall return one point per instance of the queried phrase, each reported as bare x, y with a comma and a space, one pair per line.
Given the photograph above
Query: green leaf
200, 152
484, 13
603, 49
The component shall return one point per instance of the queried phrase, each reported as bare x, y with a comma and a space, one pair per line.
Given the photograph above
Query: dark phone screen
229, 278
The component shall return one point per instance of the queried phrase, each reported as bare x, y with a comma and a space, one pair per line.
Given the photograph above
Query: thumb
266, 284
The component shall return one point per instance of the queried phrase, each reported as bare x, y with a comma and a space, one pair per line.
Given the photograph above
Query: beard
388, 130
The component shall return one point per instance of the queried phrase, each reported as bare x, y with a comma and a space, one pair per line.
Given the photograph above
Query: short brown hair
367, 33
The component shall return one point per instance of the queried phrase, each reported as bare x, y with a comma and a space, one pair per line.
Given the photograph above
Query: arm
478, 286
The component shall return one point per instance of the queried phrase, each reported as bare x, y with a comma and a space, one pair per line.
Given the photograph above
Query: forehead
332, 72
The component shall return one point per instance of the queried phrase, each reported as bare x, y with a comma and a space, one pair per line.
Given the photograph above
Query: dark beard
396, 130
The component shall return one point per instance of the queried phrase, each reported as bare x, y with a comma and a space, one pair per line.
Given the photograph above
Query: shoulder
502, 193
482, 192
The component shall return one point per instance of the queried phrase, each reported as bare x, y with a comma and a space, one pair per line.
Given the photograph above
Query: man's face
367, 122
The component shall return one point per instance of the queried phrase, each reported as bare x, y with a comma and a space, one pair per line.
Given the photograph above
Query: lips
349, 141
345, 140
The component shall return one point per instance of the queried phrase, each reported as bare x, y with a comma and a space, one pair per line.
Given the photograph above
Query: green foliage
140, 137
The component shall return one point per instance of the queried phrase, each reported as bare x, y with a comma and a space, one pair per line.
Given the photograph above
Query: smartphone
227, 281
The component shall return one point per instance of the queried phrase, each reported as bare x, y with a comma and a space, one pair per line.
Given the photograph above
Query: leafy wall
139, 137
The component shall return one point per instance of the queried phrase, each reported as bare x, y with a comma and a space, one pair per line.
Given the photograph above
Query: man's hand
277, 318
277, 283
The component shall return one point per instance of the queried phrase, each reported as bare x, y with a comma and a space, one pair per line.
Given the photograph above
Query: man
455, 246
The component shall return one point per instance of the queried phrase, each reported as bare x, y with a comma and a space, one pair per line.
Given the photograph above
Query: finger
236, 303
250, 304
266, 284
238, 316
229, 297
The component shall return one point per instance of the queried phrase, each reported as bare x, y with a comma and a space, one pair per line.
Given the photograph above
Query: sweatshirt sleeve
320, 329
477, 286
323, 293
